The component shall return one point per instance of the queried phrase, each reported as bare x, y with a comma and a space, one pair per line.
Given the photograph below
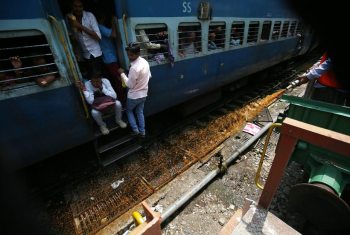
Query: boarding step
109, 157
114, 143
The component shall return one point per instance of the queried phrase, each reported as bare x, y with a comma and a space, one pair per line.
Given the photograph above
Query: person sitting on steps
98, 87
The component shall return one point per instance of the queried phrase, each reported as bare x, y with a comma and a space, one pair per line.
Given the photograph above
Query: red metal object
291, 132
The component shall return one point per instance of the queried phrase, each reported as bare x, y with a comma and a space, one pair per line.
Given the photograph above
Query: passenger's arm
319, 70
107, 89
86, 89
46, 80
130, 81
143, 38
94, 32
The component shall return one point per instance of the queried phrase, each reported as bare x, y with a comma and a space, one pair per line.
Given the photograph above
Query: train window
190, 39
237, 33
153, 39
292, 29
276, 30
216, 35
285, 29
26, 61
253, 32
299, 28
266, 29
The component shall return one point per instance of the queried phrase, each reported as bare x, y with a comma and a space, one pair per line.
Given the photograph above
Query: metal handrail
125, 29
258, 172
70, 61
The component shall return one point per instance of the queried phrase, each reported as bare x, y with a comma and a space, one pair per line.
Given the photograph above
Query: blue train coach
208, 44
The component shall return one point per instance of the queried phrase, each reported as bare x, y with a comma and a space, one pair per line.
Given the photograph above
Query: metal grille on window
265, 33
237, 33
253, 32
292, 29
190, 39
25, 61
285, 29
153, 41
216, 35
299, 28
276, 30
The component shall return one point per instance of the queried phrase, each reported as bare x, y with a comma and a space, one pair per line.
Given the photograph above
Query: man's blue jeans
136, 105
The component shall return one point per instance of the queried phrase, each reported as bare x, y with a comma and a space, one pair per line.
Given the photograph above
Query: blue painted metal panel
28, 9
220, 8
40, 125
19, 9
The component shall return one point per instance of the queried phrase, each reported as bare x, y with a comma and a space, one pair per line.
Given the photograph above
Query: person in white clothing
137, 82
87, 34
96, 87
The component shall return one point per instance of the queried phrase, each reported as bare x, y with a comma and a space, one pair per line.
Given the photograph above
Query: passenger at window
40, 68
188, 44
146, 44
94, 91
220, 37
235, 38
6, 81
110, 57
87, 34
47, 78
137, 82
211, 41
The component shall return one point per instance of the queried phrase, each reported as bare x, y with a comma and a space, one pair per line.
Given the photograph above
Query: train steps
119, 143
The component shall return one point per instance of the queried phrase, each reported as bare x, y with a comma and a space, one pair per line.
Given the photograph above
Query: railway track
99, 197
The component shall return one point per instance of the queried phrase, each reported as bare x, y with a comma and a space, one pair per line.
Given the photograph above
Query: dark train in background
38, 122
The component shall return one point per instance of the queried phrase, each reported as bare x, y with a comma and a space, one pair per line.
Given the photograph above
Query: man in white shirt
137, 82
88, 35
98, 86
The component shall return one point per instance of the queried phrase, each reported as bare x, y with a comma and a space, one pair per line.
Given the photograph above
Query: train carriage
39, 122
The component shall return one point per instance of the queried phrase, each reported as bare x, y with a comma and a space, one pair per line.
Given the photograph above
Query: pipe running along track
209, 177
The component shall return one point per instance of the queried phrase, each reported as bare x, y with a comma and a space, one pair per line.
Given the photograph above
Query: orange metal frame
291, 132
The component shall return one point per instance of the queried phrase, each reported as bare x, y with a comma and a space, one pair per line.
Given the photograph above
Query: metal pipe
179, 203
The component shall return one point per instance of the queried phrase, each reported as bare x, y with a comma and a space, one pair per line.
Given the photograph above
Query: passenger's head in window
39, 61
211, 42
191, 37
133, 50
47, 76
235, 37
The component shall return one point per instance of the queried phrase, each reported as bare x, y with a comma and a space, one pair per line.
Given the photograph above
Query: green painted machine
322, 199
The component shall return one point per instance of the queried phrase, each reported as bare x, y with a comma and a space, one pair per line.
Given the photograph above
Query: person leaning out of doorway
102, 98
87, 34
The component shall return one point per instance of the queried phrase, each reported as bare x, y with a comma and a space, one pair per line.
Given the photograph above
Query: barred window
276, 30
253, 32
153, 39
292, 29
190, 39
216, 35
265, 33
26, 61
285, 29
299, 28
237, 33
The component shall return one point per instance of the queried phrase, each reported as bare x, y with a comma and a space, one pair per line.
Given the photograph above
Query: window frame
216, 23
152, 26
269, 31
200, 42
257, 37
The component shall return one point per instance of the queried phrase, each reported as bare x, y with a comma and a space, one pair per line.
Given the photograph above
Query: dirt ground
213, 206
